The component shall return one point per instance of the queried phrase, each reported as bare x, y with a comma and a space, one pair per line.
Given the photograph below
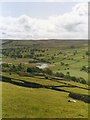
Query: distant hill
43, 43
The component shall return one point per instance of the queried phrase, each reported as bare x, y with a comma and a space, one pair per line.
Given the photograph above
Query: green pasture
45, 98
40, 102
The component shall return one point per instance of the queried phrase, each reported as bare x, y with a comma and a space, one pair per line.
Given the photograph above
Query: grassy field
38, 97
41, 102
75, 61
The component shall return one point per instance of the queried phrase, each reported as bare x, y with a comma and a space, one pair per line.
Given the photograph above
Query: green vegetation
39, 77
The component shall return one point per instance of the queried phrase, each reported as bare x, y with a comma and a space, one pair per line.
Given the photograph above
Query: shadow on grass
66, 84
71, 85
23, 83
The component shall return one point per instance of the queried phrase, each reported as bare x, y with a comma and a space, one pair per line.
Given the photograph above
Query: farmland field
40, 77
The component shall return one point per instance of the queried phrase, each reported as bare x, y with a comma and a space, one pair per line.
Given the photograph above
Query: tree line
21, 69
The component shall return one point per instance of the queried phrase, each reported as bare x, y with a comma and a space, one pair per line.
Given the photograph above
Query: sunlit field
39, 79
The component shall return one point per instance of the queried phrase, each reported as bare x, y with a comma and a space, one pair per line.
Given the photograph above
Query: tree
82, 80
73, 78
5, 65
20, 67
34, 70
66, 64
62, 63
87, 53
48, 71
13, 68
52, 57
59, 74
68, 73
46, 77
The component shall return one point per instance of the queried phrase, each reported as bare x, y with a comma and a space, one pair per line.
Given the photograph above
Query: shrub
48, 71
34, 69
59, 74
46, 77
62, 63
67, 77
5, 65
88, 53
82, 80
68, 73
73, 78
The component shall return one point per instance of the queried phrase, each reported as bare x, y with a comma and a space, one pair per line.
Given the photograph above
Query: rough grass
41, 102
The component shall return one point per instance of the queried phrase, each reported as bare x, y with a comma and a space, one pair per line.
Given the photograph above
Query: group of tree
86, 69
23, 52
38, 70
64, 64
70, 78
35, 70
12, 68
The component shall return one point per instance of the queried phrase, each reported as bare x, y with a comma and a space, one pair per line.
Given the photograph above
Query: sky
44, 20
35, 9
44, 0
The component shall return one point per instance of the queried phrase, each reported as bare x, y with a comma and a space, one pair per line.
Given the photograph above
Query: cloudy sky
44, 20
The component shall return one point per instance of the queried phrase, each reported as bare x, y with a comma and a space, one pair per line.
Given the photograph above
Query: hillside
40, 77
43, 43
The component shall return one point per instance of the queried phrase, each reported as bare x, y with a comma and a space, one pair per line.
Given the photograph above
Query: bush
82, 80
73, 78
48, 71
86, 69
67, 77
5, 65
88, 53
68, 73
59, 74
34, 69
62, 63
46, 77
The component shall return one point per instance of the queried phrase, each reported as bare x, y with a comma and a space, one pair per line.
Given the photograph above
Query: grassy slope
25, 102
41, 102
54, 47
44, 43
